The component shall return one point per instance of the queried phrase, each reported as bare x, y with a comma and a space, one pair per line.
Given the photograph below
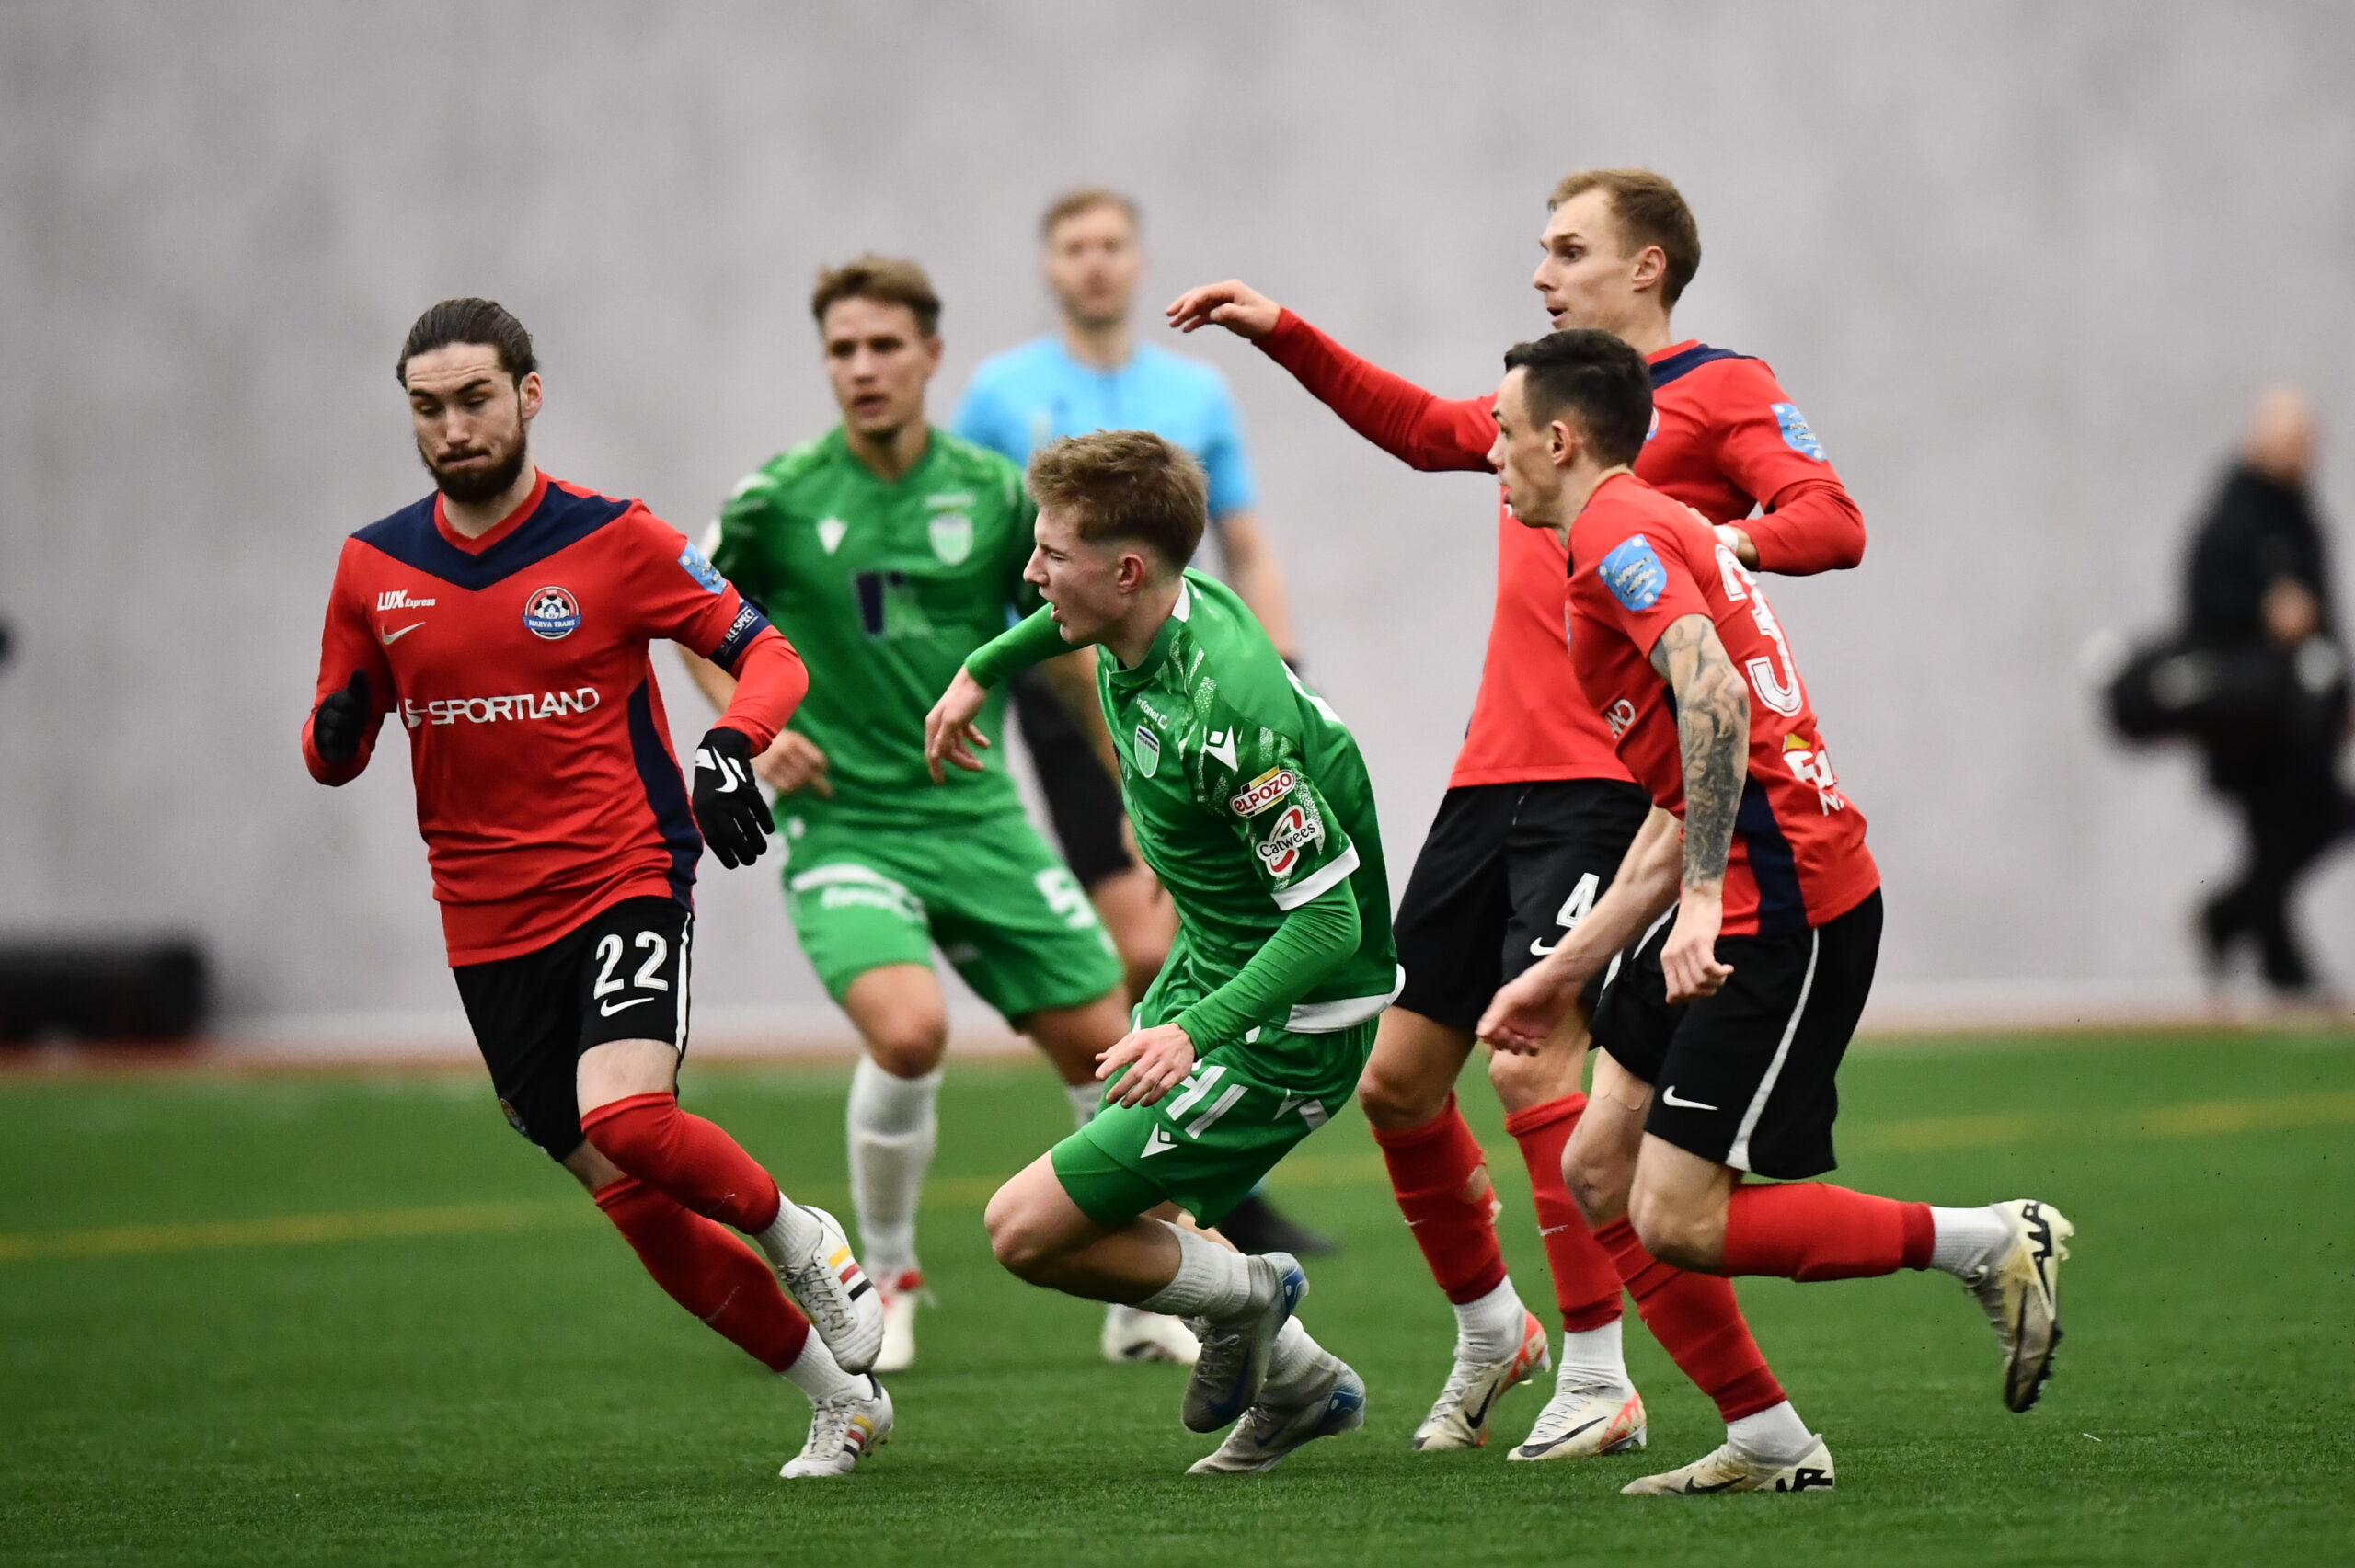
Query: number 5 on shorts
1066, 897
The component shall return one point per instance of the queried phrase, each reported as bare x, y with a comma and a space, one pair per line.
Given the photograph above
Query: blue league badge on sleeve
1796, 435
698, 566
1633, 573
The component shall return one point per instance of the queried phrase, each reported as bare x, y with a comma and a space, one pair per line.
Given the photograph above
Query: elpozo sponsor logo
1262, 792
499, 710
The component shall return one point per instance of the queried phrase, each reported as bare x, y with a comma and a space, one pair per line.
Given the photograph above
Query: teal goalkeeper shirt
1025, 397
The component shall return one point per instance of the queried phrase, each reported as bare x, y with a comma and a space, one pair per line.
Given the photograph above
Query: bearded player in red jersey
1536, 818
1719, 1038
505, 620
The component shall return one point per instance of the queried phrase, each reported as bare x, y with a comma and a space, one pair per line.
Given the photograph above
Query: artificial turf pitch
351, 1318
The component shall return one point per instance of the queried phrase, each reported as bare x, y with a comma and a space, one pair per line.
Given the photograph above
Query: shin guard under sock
1698, 1322
708, 1272
1586, 1282
680, 1154
1431, 1167
1813, 1230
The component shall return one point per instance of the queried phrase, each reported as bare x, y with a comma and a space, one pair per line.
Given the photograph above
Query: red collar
497, 531
1657, 355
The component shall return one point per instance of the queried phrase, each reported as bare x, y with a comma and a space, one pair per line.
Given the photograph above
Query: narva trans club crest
1148, 751
551, 612
952, 537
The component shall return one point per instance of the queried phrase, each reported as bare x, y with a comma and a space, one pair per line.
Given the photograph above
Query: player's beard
470, 485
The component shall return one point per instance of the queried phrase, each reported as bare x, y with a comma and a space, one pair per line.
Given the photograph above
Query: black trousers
2291, 810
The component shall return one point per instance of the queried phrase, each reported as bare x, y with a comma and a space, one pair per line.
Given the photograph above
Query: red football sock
1586, 1285
1698, 1322
708, 1272
1813, 1230
1430, 1168
649, 1138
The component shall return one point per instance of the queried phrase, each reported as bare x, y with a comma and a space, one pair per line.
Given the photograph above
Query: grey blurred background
2024, 267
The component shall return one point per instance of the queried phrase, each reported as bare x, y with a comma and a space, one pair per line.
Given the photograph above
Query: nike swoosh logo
610, 1008
1669, 1094
1565, 1438
1541, 947
392, 638
1694, 1489
1479, 1417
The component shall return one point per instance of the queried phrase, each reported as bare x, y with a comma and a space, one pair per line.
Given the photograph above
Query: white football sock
815, 1373
1084, 1098
892, 1131
1966, 1240
1213, 1282
1590, 1358
1776, 1434
1489, 1329
790, 1236
1294, 1354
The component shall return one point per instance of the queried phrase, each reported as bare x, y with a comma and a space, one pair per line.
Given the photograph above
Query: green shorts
989, 893
1210, 1141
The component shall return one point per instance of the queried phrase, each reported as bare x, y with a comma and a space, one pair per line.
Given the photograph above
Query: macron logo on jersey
498, 710
1633, 573
400, 599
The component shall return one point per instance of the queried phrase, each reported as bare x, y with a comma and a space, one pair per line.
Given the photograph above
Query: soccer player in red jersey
1720, 1037
1537, 815
505, 621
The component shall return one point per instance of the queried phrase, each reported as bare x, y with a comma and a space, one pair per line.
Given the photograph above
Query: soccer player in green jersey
890, 550
1251, 802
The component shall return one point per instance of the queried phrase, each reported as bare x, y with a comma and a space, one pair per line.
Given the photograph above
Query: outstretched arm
1427, 432
1713, 737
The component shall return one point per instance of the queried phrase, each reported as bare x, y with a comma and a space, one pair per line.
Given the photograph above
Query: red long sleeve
348, 645
770, 681
1423, 431
1810, 526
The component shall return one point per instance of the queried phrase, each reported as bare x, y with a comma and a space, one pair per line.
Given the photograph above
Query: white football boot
842, 1432
1728, 1469
842, 1303
2020, 1291
1233, 1366
899, 1296
1132, 1334
1327, 1400
1585, 1419
1459, 1418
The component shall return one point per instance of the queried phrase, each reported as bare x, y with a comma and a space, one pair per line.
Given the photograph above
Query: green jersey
1249, 798
884, 588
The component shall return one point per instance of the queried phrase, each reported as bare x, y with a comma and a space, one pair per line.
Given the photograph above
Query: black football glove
729, 807
341, 720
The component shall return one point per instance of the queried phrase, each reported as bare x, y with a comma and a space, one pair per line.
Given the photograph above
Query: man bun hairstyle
470, 321
889, 279
1087, 199
1601, 384
1649, 210
1128, 484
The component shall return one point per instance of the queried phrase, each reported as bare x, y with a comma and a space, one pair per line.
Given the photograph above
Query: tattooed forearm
1713, 732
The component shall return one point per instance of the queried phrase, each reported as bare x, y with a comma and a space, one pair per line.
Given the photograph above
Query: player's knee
1597, 1186
1396, 1100
1019, 1243
1674, 1235
908, 1044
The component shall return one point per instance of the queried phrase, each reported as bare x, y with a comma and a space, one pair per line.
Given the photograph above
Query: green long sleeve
1312, 942
1034, 639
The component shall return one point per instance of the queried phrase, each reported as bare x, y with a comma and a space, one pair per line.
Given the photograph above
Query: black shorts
1504, 873
1746, 1077
621, 975
1083, 800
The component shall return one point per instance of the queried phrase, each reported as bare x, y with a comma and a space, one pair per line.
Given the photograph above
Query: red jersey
1638, 563
1724, 437
547, 789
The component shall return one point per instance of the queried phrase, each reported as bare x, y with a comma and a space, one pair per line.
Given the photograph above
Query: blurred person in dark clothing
2260, 611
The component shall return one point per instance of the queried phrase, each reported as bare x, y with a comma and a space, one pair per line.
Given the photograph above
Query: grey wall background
2022, 265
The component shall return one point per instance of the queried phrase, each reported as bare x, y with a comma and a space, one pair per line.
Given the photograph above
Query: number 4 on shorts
1574, 909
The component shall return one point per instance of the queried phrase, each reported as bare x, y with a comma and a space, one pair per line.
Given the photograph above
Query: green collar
837, 441
1163, 641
